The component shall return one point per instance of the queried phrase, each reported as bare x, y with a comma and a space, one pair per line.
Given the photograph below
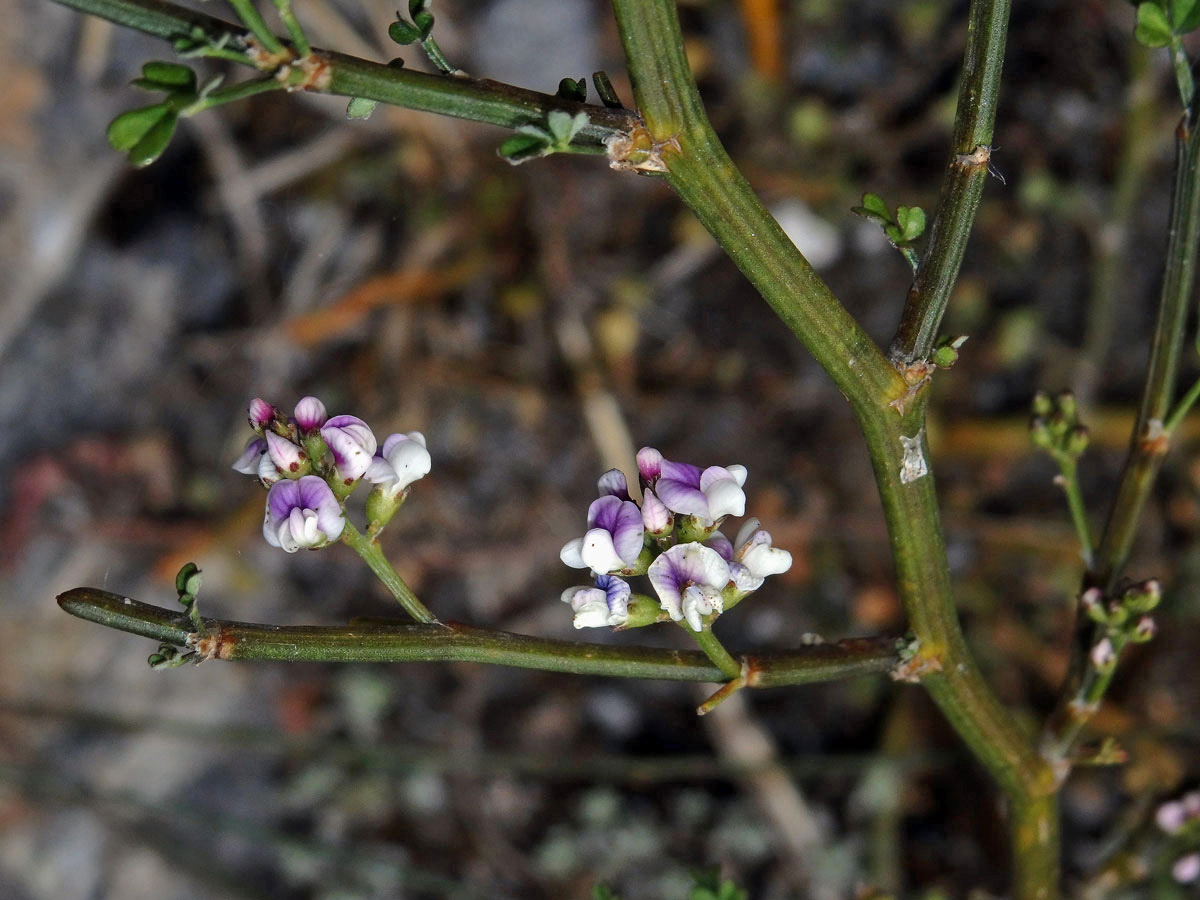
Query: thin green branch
248, 13
460, 97
1150, 441
292, 24
233, 93
699, 170
430, 643
372, 554
715, 651
929, 295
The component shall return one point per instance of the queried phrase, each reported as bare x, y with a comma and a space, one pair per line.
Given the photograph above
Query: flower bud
287, 457
1039, 433
1043, 406
1144, 630
1067, 406
1092, 601
1144, 597
260, 414
1077, 441
310, 415
1103, 656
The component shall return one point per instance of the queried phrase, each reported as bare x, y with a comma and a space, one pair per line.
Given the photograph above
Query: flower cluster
1181, 818
311, 462
672, 538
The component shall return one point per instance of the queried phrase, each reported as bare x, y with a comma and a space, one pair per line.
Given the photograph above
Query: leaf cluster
902, 228
1161, 22
533, 141
417, 28
144, 133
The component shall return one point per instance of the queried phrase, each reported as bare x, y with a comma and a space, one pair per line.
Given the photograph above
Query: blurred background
539, 324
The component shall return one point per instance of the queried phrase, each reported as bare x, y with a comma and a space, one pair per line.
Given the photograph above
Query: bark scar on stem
637, 151
914, 669
210, 645
913, 465
1155, 440
976, 159
916, 375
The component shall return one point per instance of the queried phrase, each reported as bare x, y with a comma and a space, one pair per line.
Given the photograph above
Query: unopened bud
1144, 630
260, 414
1103, 656
1039, 433
643, 610
1043, 406
1171, 817
1092, 601
1186, 868
1076, 441
1144, 597
1067, 406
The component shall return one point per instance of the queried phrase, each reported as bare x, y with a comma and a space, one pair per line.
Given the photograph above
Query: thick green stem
464, 98
1157, 414
454, 642
368, 548
704, 177
974, 124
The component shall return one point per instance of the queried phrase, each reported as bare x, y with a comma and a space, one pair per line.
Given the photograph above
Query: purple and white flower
288, 458
613, 540
402, 460
302, 513
605, 604
708, 494
256, 461
353, 446
752, 558
310, 414
255, 450
688, 579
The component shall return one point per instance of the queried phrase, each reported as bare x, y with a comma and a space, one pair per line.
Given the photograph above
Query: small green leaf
424, 23
169, 75
911, 220
564, 126
127, 129
361, 108
188, 579
1185, 14
154, 142
573, 89
1152, 29
874, 204
603, 892
403, 32
524, 146
416, 7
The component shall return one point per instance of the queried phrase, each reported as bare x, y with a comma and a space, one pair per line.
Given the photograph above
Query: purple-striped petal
352, 443
623, 521
286, 456
656, 518
684, 566
613, 482
649, 462
310, 414
248, 462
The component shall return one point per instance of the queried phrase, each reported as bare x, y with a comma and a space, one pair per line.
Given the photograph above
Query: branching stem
368, 548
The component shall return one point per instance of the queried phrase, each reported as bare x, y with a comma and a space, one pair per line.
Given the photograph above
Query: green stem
368, 548
292, 24
233, 93
247, 12
434, 52
1151, 437
430, 643
974, 124
1183, 72
464, 98
1182, 408
702, 174
715, 651
1069, 481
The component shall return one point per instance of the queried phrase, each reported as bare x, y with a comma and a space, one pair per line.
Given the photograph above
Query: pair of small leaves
901, 229
904, 227
144, 133
533, 141
1160, 22
418, 29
